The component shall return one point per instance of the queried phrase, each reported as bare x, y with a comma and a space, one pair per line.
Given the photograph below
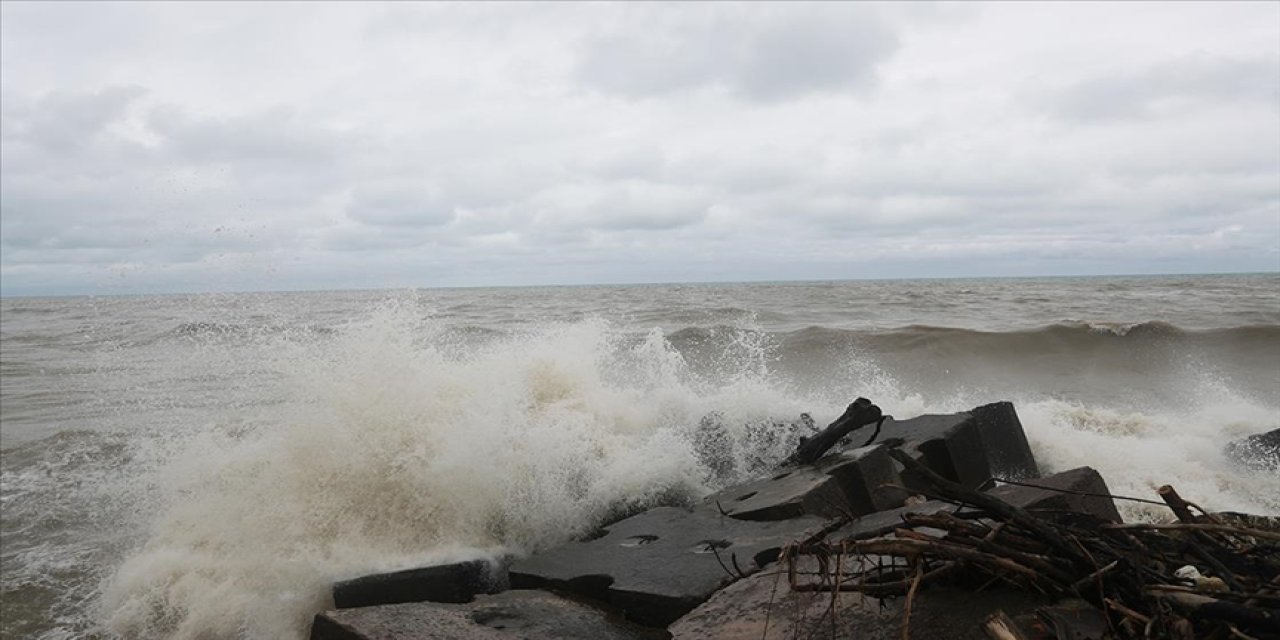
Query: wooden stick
1196, 526
999, 626
1176, 503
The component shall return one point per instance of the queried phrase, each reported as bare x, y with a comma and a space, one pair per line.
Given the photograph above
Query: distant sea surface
204, 466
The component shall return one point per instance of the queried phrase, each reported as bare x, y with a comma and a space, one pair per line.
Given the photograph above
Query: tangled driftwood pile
1201, 577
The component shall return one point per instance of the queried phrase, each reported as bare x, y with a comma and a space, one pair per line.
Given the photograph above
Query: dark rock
1260, 451
658, 565
1005, 442
1080, 480
968, 447
951, 445
792, 493
881, 523
763, 607
458, 582
841, 485
531, 615
867, 476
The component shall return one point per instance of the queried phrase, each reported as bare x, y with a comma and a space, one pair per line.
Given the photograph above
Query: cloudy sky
237, 146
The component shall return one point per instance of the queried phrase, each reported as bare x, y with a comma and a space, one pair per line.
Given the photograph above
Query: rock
763, 607
868, 477
881, 523
968, 447
950, 445
1082, 479
658, 565
531, 615
458, 582
1260, 451
841, 485
791, 493
1005, 441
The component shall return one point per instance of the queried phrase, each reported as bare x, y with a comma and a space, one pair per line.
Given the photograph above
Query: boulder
1082, 480
763, 607
968, 447
791, 493
457, 582
950, 445
524, 615
1004, 441
868, 477
1260, 451
656, 566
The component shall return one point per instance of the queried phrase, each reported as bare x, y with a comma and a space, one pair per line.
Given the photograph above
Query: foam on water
399, 454
397, 440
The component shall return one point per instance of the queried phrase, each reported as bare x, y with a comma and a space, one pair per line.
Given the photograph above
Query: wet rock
867, 476
1082, 480
763, 607
1004, 441
457, 582
1260, 451
847, 484
530, 615
656, 566
951, 445
881, 523
790, 493
968, 447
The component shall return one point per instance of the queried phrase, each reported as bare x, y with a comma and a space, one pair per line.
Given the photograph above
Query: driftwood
859, 414
1122, 574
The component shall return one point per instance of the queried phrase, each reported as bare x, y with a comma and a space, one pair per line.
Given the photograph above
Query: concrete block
790, 493
865, 475
1082, 479
523, 615
457, 582
658, 565
1005, 442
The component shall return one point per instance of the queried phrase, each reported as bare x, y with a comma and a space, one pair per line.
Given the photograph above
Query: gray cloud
757, 52
1170, 86
418, 145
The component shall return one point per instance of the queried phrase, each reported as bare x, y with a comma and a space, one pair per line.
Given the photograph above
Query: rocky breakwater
939, 526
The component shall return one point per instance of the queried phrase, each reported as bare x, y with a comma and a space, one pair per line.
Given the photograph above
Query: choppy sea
204, 466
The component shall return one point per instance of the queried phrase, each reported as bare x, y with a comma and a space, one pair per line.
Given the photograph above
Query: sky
167, 147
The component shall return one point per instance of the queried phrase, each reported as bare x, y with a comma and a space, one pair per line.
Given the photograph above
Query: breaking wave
399, 440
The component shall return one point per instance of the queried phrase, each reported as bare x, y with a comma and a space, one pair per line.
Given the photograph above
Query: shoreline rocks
724, 568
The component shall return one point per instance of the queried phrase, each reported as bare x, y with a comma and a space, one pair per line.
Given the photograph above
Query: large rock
790, 493
457, 582
1260, 451
1004, 441
851, 483
968, 447
656, 566
1049, 494
524, 615
763, 607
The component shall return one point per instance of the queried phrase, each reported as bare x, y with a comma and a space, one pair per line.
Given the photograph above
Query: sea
205, 466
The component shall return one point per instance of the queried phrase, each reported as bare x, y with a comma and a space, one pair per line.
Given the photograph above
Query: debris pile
1203, 576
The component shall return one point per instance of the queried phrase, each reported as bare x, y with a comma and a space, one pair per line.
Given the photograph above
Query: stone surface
1005, 442
850, 483
882, 523
867, 476
1260, 451
529, 615
763, 607
951, 445
1082, 479
968, 447
656, 566
790, 493
457, 582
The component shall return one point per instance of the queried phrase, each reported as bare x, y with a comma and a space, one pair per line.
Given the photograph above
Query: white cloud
314, 146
